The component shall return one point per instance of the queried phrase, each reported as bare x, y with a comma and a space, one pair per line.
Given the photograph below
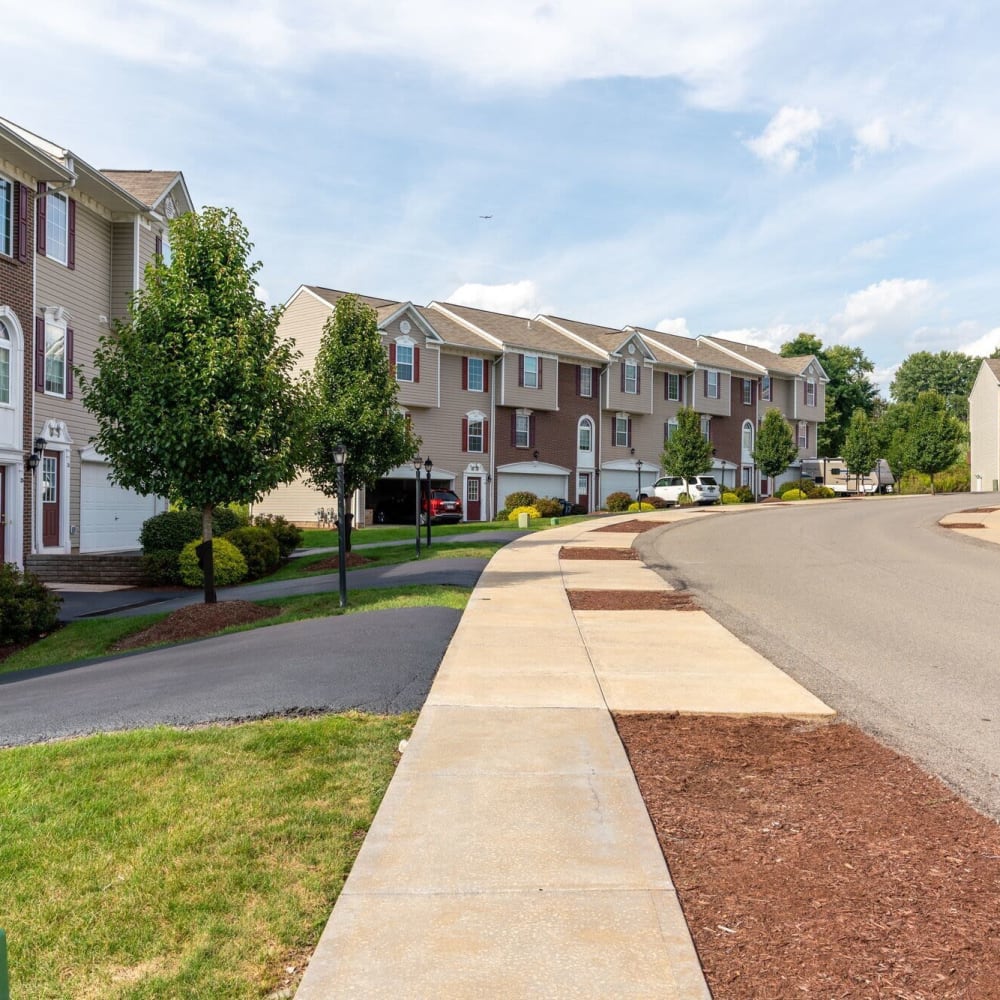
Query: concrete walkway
512, 855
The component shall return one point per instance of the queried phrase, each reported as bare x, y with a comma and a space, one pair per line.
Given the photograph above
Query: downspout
492, 468
601, 382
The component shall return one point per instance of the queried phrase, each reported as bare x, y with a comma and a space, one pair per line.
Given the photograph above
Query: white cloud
874, 137
518, 298
882, 378
677, 326
789, 133
893, 306
771, 338
983, 346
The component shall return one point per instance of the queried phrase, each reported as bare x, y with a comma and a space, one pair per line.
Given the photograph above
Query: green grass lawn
90, 638
313, 538
197, 864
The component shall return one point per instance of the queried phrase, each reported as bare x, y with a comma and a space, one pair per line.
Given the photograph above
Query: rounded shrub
730, 498
259, 548
173, 529
618, 502
825, 493
548, 507
684, 500
28, 609
162, 568
522, 498
743, 494
532, 512
657, 502
639, 505
224, 519
287, 535
230, 566
794, 494
503, 515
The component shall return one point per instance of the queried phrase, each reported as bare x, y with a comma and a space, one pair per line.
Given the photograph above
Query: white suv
701, 489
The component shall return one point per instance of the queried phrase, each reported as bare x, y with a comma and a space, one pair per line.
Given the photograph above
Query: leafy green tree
688, 453
891, 430
354, 403
849, 388
935, 436
861, 446
948, 373
193, 394
775, 449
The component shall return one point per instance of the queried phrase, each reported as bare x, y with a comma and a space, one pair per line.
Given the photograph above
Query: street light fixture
638, 472
340, 460
418, 463
428, 465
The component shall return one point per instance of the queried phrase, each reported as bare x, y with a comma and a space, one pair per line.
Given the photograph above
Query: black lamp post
428, 465
638, 472
340, 459
417, 466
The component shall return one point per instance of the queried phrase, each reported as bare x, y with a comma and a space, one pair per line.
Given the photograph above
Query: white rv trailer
833, 472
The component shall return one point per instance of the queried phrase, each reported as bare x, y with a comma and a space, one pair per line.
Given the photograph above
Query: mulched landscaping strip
580, 552
196, 621
811, 861
631, 600
325, 565
981, 510
963, 524
633, 527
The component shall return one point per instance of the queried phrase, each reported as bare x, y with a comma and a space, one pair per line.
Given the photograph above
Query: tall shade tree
948, 373
775, 449
935, 436
861, 446
354, 403
849, 388
892, 428
193, 394
687, 453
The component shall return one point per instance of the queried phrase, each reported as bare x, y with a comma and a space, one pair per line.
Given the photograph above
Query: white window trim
538, 367
765, 389
56, 198
810, 392
406, 342
56, 318
524, 415
585, 422
631, 376
587, 390
747, 429
713, 374
482, 374
747, 392
622, 419
706, 428
475, 417
676, 397
671, 427
7, 344
803, 435
11, 235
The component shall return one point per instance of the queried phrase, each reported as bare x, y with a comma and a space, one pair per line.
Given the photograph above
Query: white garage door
541, 486
615, 481
110, 517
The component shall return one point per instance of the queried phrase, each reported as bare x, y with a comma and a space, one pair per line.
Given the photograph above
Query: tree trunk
932, 484
208, 567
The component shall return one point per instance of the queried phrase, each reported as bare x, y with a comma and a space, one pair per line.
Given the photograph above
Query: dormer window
711, 384
765, 388
810, 392
631, 377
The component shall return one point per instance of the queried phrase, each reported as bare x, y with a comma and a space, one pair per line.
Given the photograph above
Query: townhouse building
555, 406
83, 239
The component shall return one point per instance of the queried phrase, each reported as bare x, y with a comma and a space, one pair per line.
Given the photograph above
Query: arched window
5, 346
747, 438
585, 435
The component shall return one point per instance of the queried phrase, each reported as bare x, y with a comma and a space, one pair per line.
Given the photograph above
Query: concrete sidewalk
512, 855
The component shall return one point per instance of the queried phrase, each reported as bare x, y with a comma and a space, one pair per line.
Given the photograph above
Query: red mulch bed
325, 565
981, 510
631, 600
197, 621
582, 552
964, 524
811, 861
633, 526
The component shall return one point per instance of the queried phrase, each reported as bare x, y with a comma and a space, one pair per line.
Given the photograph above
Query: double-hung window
55, 358
669, 429
765, 388
404, 362
803, 436
673, 387
712, 384
622, 429
586, 380
522, 430
706, 428
6, 217
475, 375
811, 392
474, 441
5, 345
57, 228
631, 378
531, 365
747, 392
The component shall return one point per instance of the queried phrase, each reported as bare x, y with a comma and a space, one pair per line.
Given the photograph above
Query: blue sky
725, 167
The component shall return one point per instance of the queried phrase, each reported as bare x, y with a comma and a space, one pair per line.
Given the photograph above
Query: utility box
522, 520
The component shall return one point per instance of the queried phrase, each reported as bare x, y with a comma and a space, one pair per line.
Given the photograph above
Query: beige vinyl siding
512, 394
422, 393
147, 247
302, 323
637, 403
122, 268
704, 404
782, 392
647, 439
296, 501
85, 294
984, 429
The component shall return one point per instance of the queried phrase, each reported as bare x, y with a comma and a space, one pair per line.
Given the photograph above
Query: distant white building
984, 428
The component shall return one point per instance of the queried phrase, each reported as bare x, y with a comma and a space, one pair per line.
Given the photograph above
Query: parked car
701, 489
445, 507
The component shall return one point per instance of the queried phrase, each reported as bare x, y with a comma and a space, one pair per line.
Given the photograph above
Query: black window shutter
416, 364
579, 369
465, 373
638, 380
39, 354
486, 375
158, 248
513, 429
531, 431
623, 376
520, 369
71, 239
465, 434
541, 367
628, 424
69, 364
22, 223
40, 203
486, 434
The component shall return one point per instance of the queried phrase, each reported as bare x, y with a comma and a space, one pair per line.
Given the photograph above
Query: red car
445, 507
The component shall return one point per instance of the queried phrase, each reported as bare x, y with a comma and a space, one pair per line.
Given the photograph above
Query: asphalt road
890, 619
382, 661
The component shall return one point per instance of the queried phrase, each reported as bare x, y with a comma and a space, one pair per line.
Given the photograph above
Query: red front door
583, 490
49, 486
473, 499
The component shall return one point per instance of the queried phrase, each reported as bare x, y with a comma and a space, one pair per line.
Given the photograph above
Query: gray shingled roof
455, 333
994, 365
702, 354
330, 295
769, 359
148, 186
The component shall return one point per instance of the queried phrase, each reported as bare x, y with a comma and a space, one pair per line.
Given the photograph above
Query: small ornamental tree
193, 394
688, 453
775, 449
934, 440
861, 447
354, 403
